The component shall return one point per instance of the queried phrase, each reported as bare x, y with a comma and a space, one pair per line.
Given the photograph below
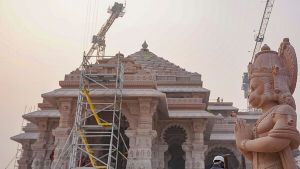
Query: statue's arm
271, 143
266, 144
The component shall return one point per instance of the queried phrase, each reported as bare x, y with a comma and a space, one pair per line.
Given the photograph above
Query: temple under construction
134, 112
167, 118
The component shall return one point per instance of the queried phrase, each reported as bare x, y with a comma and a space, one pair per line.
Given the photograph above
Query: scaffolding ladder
96, 131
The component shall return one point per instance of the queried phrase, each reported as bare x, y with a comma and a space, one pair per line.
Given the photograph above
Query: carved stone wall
44, 145
26, 156
67, 111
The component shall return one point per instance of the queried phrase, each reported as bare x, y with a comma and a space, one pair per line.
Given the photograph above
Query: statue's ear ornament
289, 59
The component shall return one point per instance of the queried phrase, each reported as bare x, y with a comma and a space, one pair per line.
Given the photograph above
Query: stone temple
170, 122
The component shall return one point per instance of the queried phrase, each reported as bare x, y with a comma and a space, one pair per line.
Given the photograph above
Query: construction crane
98, 46
258, 42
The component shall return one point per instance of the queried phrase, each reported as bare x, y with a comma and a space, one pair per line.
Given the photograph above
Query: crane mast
258, 42
98, 41
263, 27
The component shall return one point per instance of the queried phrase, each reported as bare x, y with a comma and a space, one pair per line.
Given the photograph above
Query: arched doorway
233, 163
175, 136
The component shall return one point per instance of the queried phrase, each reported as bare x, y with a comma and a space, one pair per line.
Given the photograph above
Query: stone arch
169, 138
220, 150
174, 136
231, 147
166, 127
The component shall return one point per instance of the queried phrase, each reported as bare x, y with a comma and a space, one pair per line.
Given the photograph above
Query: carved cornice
179, 83
187, 106
127, 84
185, 100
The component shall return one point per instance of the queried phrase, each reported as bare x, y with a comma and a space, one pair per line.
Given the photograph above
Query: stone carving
140, 138
270, 142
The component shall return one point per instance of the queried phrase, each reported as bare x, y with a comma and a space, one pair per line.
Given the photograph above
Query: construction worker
218, 163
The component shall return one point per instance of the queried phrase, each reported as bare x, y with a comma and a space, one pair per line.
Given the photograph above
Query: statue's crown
266, 63
281, 65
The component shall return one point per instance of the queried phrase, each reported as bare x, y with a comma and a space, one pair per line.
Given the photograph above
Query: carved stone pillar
161, 155
26, 157
198, 156
140, 138
61, 136
62, 132
66, 113
139, 154
154, 154
198, 147
43, 147
187, 148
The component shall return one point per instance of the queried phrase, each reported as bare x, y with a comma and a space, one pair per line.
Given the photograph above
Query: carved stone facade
44, 146
171, 123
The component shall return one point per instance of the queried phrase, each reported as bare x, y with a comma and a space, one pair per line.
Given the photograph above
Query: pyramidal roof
157, 65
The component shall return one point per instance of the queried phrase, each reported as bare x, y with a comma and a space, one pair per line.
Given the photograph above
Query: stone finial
145, 46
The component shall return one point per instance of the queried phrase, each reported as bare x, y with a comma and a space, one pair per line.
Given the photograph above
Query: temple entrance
175, 136
177, 161
233, 163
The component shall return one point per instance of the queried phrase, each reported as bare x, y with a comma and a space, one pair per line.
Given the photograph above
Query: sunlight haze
41, 41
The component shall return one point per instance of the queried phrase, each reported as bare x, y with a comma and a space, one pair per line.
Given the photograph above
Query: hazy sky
41, 41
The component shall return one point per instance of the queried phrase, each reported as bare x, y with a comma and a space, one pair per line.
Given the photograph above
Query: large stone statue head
273, 76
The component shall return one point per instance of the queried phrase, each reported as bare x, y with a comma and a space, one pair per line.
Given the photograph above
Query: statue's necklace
261, 119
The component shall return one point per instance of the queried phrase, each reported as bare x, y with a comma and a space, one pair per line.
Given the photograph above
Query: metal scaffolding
96, 133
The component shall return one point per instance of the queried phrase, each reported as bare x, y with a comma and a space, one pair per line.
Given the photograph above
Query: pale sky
41, 41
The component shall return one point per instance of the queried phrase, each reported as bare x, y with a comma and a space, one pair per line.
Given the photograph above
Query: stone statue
270, 142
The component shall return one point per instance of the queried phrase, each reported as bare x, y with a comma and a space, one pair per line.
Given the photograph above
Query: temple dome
157, 65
